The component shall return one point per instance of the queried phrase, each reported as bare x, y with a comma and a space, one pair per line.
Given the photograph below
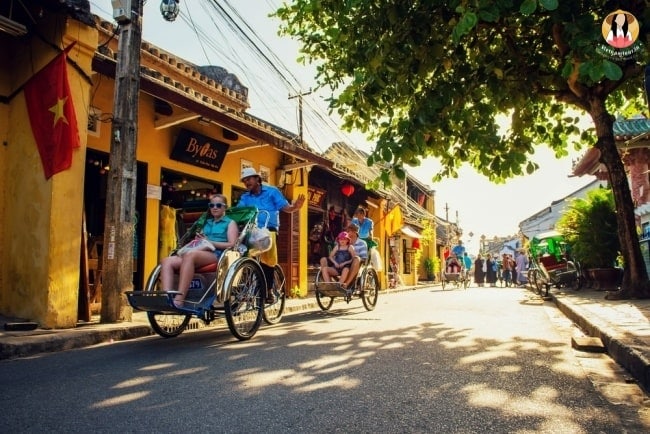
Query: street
462, 361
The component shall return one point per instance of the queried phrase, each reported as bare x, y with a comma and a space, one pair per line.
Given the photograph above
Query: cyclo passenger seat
241, 215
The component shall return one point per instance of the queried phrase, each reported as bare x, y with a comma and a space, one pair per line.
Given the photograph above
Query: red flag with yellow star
52, 116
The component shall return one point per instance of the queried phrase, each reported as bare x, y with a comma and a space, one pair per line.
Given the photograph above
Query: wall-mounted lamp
169, 9
203, 121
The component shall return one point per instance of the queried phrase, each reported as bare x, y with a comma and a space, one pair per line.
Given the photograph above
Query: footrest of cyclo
152, 301
331, 289
161, 301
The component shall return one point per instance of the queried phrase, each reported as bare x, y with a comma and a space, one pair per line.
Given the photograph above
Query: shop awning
410, 232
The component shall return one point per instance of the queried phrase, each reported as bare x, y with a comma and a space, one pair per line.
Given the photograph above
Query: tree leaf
612, 70
528, 7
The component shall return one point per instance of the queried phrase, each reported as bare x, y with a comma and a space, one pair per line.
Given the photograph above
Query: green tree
589, 227
432, 78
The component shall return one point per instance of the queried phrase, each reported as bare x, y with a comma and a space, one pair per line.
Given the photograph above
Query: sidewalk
623, 326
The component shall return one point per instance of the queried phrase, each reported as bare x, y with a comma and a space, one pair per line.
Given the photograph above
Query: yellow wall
41, 218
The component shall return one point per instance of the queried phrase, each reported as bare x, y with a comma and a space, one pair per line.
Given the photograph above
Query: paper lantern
347, 189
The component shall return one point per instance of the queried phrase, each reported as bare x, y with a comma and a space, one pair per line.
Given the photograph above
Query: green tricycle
552, 263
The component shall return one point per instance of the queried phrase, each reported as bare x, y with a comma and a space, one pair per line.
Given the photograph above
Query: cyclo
454, 274
234, 286
552, 264
366, 285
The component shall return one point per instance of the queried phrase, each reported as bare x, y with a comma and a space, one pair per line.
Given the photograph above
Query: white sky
483, 208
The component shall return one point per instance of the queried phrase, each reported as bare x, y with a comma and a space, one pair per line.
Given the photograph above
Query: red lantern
416, 243
347, 189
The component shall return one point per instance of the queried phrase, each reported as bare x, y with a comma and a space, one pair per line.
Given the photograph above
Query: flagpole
117, 276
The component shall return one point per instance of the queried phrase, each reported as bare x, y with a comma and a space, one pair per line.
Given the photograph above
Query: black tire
465, 282
369, 289
576, 283
532, 278
273, 312
244, 305
167, 325
443, 282
540, 286
325, 303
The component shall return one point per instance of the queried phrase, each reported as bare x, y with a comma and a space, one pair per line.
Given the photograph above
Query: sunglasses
216, 205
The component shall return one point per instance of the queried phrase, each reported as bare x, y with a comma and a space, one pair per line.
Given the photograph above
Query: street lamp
169, 9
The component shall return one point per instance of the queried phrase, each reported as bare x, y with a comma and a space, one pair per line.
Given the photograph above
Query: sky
200, 35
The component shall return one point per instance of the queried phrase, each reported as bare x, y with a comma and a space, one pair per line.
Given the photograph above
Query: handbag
196, 244
260, 237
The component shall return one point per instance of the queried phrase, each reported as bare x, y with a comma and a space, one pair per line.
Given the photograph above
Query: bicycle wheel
465, 282
243, 305
324, 302
273, 312
369, 289
167, 325
443, 282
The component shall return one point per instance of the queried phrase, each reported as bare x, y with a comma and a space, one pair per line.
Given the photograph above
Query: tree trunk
635, 277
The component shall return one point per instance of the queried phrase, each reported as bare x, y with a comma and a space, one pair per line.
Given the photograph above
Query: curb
619, 347
26, 344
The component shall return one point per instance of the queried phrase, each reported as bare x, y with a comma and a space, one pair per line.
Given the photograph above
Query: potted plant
590, 229
429, 267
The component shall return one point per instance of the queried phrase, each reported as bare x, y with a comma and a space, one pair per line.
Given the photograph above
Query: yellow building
193, 138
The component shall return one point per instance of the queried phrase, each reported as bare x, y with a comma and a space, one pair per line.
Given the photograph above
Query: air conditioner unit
121, 10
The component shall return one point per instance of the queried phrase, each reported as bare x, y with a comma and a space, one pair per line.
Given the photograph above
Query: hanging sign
199, 150
316, 196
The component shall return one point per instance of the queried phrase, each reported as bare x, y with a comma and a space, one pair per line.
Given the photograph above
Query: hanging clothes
167, 234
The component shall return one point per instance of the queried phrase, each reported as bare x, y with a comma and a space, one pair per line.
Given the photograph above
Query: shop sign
316, 196
199, 150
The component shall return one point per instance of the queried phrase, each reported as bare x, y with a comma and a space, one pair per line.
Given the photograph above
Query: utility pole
447, 223
120, 201
299, 96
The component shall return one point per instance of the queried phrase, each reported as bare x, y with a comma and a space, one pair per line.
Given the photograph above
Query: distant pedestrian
467, 265
507, 265
491, 271
479, 270
521, 265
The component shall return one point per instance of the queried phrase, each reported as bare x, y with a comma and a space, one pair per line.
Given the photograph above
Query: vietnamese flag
52, 116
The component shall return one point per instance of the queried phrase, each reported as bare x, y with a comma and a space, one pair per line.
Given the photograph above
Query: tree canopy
433, 78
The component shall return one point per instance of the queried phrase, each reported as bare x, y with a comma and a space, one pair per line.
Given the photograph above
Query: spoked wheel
539, 284
273, 312
370, 289
443, 282
167, 325
324, 302
576, 283
532, 278
244, 305
465, 282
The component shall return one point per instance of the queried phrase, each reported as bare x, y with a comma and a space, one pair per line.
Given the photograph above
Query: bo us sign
199, 150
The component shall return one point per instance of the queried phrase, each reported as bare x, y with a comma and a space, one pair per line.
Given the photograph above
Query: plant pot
605, 279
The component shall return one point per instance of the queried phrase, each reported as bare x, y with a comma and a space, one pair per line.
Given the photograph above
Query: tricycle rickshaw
552, 264
454, 274
235, 286
366, 285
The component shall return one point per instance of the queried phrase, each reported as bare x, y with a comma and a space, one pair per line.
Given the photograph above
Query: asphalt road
463, 361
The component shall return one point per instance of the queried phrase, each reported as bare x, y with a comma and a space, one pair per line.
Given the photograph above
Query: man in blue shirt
458, 250
267, 198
